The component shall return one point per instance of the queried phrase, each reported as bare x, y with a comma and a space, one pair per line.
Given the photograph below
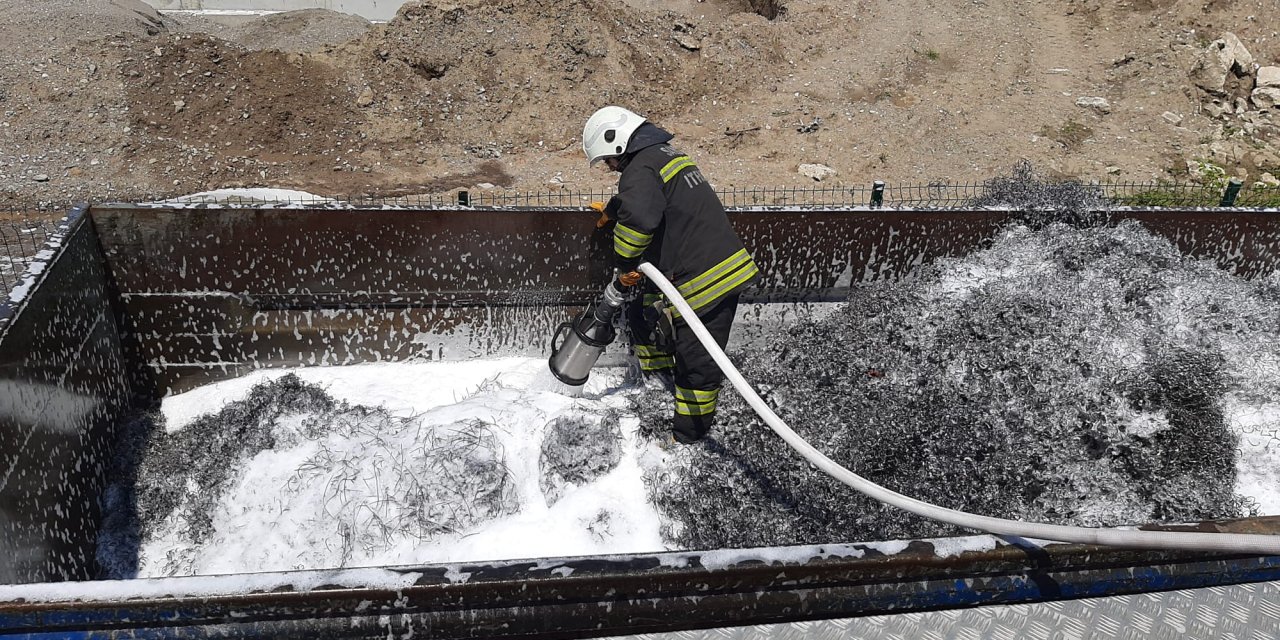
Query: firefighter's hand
604, 217
630, 278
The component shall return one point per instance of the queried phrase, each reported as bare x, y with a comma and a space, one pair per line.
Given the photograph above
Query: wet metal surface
64, 384
212, 292
217, 292
603, 596
1236, 611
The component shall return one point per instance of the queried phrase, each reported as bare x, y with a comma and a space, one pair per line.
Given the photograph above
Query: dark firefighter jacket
669, 215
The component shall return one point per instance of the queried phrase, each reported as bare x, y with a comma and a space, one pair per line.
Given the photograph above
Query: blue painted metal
598, 596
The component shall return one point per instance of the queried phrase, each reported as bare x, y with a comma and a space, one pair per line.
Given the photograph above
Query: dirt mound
912, 91
203, 91
55, 26
499, 78
60, 98
299, 31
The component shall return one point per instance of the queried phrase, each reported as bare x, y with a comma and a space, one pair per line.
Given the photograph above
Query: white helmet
607, 132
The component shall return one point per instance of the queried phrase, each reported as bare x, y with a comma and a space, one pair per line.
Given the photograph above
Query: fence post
877, 194
464, 199
1233, 191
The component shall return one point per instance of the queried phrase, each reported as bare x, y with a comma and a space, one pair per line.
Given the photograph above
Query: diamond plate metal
1246, 611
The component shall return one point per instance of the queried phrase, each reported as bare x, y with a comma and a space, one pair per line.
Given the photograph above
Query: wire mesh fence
24, 230
22, 237
936, 195
933, 195
1230, 194
874, 194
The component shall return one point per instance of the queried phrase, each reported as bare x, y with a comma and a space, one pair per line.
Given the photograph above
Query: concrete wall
377, 10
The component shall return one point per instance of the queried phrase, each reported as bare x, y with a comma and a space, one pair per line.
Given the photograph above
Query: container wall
153, 299
64, 385
216, 291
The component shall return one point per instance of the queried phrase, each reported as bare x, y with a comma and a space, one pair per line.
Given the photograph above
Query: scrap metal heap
1065, 375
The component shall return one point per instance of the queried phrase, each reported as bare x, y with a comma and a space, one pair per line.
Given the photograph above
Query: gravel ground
109, 100
293, 31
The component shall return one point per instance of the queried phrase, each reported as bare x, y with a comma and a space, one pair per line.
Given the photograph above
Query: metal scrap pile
403, 479
1065, 375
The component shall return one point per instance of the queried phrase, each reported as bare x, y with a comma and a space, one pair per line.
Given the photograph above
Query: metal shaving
1066, 375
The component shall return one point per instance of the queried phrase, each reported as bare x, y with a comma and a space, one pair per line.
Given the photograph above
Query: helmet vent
610, 135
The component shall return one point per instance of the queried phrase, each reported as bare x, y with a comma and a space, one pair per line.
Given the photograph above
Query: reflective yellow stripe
674, 167
646, 351
718, 281
628, 242
652, 358
625, 249
654, 364
695, 402
725, 286
631, 235
734, 261
696, 395
694, 410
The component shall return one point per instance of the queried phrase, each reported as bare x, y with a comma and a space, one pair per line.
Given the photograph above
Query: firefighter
667, 214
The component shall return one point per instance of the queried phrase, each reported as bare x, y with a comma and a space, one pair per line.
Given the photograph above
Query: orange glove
604, 217
630, 278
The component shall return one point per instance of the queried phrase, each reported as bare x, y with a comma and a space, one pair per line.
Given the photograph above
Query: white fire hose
1188, 540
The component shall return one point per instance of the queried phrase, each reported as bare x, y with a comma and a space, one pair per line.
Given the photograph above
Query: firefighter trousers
697, 376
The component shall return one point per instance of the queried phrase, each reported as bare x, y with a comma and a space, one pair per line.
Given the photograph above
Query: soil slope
109, 100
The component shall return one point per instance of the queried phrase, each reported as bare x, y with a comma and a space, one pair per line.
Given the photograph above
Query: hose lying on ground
1189, 540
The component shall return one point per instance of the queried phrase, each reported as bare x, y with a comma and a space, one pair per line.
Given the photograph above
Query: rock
1193, 168
1242, 105
1266, 156
1221, 57
1172, 118
1101, 105
1227, 151
688, 41
1216, 109
179, 105
1269, 77
1113, 170
1266, 98
818, 172
40, 177
1240, 55
1268, 180
365, 98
